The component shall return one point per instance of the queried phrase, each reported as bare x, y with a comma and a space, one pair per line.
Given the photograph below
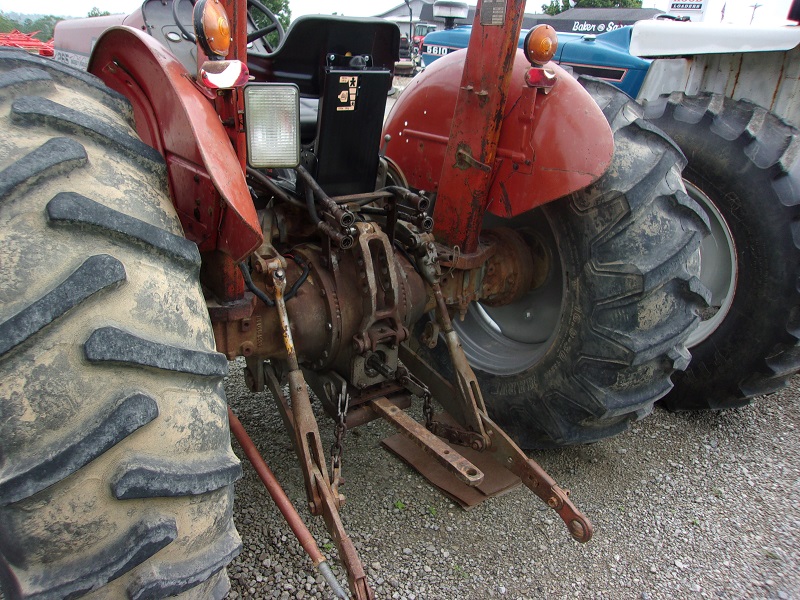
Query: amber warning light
541, 44
212, 28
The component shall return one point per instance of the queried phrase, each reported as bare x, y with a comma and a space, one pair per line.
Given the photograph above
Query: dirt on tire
117, 472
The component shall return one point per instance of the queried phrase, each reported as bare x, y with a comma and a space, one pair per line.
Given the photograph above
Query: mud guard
173, 115
550, 145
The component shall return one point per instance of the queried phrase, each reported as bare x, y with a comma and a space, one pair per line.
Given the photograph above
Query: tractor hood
669, 38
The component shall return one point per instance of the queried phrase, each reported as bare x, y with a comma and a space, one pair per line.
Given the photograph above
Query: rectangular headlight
272, 117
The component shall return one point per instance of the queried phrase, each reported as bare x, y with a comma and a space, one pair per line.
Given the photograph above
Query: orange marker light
212, 28
541, 44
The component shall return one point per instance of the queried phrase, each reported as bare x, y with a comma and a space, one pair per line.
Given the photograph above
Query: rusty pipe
284, 505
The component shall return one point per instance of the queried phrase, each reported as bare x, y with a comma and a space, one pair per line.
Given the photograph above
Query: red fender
550, 144
172, 115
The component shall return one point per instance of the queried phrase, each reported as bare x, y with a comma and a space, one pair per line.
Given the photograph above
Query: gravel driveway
684, 506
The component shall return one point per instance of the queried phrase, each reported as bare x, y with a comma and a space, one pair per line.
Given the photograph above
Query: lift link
505, 451
465, 403
299, 420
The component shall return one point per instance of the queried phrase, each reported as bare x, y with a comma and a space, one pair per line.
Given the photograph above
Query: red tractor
512, 243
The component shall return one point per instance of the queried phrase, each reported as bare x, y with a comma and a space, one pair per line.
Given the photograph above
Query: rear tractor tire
593, 347
117, 473
744, 170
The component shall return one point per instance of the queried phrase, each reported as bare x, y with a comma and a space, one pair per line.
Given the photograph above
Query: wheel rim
718, 267
508, 339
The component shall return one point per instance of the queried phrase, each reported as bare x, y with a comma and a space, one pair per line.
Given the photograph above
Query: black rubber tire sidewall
754, 348
607, 362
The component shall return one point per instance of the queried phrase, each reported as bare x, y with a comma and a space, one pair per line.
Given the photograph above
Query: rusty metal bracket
459, 466
356, 577
501, 446
537, 480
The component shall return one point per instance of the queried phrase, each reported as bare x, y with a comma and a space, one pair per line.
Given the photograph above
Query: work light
272, 121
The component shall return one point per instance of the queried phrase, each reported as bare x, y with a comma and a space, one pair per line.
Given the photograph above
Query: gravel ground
684, 506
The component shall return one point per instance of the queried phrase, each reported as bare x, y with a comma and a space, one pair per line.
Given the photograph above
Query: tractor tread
68, 455
69, 76
758, 143
628, 247
24, 81
36, 110
72, 208
73, 578
95, 274
106, 356
163, 579
110, 344
146, 477
56, 156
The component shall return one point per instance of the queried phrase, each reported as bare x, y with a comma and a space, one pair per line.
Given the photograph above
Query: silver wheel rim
718, 268
508, 339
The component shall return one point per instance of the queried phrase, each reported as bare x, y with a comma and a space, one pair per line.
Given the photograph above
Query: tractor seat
302, 56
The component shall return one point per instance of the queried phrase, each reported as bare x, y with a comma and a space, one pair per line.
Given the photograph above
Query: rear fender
207, 183
550, 144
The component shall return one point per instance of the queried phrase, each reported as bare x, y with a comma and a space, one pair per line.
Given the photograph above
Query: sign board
684, 8
591, 26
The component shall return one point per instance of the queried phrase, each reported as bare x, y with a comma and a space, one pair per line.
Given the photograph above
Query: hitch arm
299, 418
505, 451
537, 480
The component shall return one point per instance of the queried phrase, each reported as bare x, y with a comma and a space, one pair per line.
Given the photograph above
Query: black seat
301, 57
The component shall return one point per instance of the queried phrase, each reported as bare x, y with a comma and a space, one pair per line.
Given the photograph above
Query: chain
427, 410
341, 428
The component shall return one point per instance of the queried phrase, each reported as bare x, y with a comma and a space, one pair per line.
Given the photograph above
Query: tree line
559, 6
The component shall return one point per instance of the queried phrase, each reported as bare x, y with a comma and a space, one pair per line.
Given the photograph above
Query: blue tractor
605, 56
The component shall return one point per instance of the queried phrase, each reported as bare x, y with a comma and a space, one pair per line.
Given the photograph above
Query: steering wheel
189, 36
275, 25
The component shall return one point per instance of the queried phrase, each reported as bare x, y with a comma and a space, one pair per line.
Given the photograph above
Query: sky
736, 11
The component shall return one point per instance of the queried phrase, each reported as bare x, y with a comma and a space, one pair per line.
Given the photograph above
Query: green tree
7, 24
558, 6
555, 7
96, 12
608, 4
43, 25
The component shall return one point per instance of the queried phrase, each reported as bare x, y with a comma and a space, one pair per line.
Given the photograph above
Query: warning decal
347, 97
